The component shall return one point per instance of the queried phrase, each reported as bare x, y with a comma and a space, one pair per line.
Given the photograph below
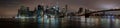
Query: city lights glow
108, 6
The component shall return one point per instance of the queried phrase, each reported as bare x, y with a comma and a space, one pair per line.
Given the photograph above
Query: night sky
10, 7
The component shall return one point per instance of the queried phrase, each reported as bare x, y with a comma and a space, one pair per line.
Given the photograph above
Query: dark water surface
89, 23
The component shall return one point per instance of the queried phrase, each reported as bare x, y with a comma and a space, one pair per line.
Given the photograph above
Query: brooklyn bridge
53, 17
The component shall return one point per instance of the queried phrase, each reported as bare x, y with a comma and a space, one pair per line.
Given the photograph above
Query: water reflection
76, 22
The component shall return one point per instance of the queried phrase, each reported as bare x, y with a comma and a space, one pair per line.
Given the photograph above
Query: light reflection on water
64, 23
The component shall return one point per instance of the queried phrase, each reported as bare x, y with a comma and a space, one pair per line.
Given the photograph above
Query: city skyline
59, 13
10, 7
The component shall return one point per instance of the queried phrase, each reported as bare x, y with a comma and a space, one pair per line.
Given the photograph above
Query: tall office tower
23, 11
40, 13
39, 10
56, 7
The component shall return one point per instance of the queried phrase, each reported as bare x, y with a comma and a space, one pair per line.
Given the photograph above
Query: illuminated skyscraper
40, 13
23, 14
